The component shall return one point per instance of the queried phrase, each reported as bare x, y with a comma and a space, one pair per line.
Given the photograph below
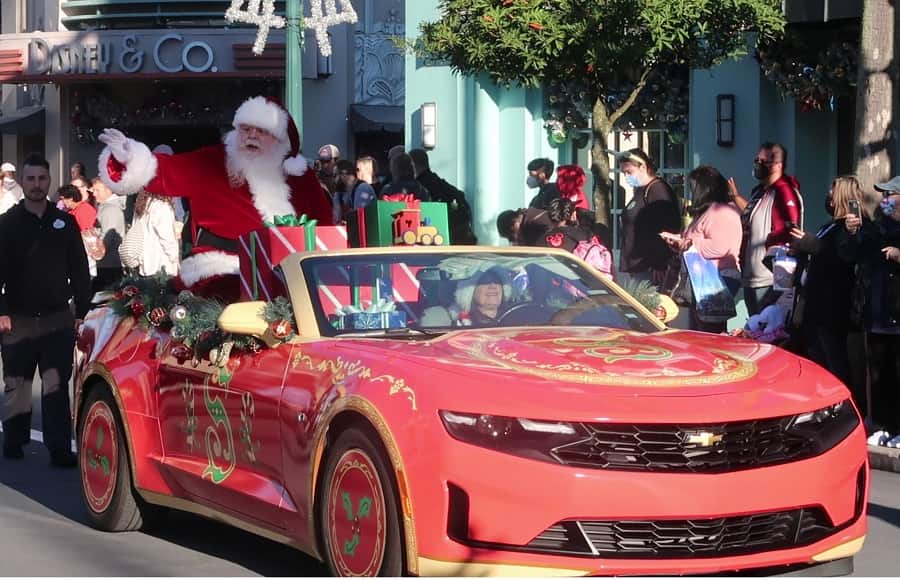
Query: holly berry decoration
119, 295
130, 291
157, 316
137, 308
281, 329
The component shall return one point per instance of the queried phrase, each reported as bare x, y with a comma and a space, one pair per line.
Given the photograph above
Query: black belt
207, 238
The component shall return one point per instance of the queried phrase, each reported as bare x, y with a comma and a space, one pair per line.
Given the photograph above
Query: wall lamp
725, 120
428, 112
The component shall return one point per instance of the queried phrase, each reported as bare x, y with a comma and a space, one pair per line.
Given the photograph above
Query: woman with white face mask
10, 190
653, 209
875, 247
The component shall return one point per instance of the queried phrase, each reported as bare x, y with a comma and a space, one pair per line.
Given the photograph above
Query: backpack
595, 254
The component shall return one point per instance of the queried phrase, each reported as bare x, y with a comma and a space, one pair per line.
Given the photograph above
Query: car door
219, 420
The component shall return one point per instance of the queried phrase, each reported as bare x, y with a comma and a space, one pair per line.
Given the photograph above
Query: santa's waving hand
255, 174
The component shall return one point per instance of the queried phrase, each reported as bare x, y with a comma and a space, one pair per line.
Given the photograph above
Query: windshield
439, 292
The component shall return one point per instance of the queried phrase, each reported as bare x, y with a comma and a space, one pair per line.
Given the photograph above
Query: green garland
644, 292
193, 320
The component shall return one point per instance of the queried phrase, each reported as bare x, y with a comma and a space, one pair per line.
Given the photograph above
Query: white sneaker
880, 438
894, 443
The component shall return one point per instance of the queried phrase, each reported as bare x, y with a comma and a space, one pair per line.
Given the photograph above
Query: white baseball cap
8, 167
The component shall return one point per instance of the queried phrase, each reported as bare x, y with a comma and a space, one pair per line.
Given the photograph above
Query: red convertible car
469, 411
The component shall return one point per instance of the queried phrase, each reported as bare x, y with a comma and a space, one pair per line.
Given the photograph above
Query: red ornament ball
137, 308
157, 316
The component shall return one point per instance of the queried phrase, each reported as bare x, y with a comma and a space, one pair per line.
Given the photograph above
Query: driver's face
488, 295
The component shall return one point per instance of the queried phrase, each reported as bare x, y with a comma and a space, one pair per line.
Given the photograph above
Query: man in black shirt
42, 266
539, 172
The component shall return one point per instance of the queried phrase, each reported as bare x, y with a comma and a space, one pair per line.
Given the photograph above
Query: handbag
677, 283
131, 251
713, 301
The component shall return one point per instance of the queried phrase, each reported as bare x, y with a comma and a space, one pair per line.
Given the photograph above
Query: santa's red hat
269, 114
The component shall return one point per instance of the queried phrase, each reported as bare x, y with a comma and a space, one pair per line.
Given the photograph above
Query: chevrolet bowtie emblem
704, 439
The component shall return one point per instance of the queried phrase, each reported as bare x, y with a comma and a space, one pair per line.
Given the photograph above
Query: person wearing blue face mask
875, 248
653, 209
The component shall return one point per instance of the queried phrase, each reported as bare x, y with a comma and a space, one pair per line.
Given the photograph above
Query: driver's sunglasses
759, 161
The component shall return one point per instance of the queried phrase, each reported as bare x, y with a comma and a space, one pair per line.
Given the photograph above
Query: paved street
45, 533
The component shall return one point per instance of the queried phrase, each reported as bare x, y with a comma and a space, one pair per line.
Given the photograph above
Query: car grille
711, 448
685, 538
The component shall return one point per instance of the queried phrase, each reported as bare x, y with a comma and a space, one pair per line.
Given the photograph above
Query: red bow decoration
407, 197
556, 240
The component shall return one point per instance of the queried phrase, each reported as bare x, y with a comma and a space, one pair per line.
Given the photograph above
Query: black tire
354, 455
108, 491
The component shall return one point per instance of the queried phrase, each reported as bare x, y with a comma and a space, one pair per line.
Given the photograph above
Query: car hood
605, 375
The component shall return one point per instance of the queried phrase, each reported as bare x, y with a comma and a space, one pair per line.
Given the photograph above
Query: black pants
884, 375
828, 348
105, 278
46, 343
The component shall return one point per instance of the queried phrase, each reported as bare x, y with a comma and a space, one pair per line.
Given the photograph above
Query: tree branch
642, 82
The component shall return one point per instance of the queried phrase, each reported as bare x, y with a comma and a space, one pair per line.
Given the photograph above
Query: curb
884, 458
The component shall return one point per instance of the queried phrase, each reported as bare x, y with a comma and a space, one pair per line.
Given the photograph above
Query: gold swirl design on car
659, 367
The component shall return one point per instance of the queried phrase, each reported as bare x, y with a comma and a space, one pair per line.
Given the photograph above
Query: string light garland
260, 13
323, 15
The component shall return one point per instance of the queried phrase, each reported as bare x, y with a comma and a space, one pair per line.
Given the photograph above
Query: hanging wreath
813, 75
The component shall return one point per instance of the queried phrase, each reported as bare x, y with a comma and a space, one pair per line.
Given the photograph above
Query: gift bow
383, 305
290, 221
402, 197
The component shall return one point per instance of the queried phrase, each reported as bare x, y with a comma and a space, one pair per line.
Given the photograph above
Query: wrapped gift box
370, 320
422, 223
262, 251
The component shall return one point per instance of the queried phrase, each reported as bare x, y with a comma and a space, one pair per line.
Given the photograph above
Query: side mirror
245, 318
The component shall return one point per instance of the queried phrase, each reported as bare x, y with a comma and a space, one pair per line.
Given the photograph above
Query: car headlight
825, 427
523, 437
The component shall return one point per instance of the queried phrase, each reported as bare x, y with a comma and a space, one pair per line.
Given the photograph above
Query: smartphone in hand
853, 204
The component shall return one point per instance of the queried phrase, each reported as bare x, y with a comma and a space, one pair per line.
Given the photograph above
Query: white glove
119, 145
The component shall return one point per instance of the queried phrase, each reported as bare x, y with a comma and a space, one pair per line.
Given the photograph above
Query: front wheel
358, 512
112, 504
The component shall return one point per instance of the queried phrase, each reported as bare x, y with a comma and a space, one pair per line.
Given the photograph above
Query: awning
24, 121
376, 118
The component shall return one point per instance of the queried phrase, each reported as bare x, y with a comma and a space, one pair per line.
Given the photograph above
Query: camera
854, 207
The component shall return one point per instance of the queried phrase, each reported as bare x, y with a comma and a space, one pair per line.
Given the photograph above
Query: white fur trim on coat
297, 165
137, 173
262, 113
208, 265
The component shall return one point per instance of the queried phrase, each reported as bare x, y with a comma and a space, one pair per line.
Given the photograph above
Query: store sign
152, 52
170, 53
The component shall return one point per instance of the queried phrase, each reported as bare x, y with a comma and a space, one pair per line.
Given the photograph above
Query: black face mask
761, 171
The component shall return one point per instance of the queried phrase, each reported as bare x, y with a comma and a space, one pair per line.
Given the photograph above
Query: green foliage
607, 46
644, 292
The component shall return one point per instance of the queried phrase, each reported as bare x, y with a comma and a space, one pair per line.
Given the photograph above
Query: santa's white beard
9, 183
263, 174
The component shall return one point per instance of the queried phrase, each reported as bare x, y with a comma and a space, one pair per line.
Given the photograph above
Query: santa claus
255, 174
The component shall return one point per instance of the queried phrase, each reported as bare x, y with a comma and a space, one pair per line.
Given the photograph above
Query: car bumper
509, 501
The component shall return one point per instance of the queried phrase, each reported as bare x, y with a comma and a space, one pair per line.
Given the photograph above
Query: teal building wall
486, 134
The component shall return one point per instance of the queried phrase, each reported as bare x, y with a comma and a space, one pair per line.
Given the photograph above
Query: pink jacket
717, 235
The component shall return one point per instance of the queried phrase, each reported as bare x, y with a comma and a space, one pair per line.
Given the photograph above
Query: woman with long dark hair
715, 232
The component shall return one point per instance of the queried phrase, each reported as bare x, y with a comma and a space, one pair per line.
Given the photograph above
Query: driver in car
480, 300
